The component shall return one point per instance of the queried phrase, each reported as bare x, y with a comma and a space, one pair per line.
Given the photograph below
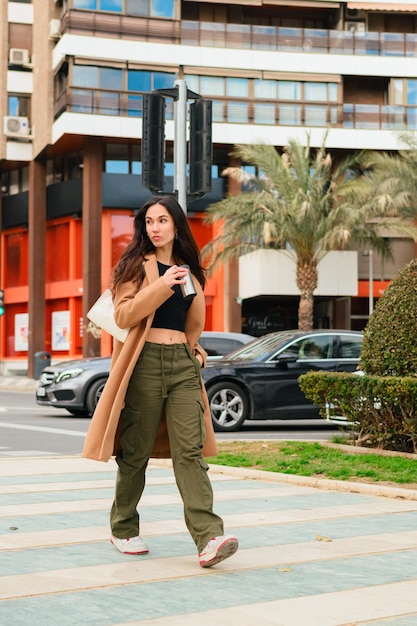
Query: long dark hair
130, 265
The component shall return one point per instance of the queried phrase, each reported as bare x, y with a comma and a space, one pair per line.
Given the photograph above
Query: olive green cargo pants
166, 379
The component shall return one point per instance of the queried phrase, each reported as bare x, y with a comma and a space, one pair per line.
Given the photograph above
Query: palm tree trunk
307, 280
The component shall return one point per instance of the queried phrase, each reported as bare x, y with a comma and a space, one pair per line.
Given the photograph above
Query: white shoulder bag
102, 315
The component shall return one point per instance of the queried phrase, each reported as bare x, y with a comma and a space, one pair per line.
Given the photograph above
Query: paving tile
308, 556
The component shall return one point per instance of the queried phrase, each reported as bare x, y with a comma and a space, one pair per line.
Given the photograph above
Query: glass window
58, 253
367, 116
265, 88
111, 5
24, 179
135, 105
237, 112
217, 111
138, 80
348, 115
193, 82
264, 113
333, 116
212, 85
18, 105
121, 234
85, 4
111, 78
117, 159
316, 92
117, 167
237, 87
162, 8
398, 89
136, 165
82, 101
16, 253
85, 76
13, 108
332, 88
163, 80
13, 182
350, 347
412, 92
315, 348
289, 90
316, 116
412, 118
74, 160
137, 7
392, 117
108, 103
290, 115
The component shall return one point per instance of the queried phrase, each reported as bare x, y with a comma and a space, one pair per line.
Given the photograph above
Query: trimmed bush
389, 344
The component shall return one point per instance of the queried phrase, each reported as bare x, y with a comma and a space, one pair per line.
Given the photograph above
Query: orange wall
63, 290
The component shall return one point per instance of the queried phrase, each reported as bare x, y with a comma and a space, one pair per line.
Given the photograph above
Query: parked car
260, 380
77, 385
218, 344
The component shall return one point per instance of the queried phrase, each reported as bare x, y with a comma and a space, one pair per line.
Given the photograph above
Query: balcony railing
241, 36
277, 38
234, 110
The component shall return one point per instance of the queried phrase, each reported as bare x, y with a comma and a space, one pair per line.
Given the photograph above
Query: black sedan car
260, 380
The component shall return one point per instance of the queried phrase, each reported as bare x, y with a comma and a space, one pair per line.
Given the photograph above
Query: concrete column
91, 218
37, 260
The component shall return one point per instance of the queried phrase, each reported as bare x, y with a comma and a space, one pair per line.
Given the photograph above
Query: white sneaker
218, 549
133, 545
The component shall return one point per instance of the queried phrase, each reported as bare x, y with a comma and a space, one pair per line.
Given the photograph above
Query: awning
380, 6
322, 4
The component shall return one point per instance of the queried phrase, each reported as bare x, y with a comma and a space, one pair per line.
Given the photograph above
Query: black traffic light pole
200, 146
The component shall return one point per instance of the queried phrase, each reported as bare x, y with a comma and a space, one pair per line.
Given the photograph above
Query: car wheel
229, 406
93, 394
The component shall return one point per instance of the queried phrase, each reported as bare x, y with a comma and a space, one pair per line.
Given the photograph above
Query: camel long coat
135, 310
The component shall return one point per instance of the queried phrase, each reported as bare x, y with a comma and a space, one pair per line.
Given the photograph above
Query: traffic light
200, 147
153, 141
2, 309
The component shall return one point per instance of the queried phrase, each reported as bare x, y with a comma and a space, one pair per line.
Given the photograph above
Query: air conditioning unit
54, 26
15, 126
355, 27
18, 56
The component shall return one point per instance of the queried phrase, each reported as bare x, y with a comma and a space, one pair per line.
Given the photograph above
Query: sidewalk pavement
18, 383
312, 553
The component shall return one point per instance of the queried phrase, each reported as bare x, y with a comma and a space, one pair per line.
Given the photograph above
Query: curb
328, 484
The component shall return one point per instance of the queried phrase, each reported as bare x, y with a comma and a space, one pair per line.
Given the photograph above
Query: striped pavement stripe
308, 556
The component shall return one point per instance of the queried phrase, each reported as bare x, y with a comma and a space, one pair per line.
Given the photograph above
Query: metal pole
371, 282
180, 144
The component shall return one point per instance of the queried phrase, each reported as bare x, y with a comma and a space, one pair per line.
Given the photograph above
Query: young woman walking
155, 384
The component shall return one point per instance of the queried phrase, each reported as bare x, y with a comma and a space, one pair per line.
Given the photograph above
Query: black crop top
173, 312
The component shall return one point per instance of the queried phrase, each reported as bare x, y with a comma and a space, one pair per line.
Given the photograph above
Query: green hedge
381, 410
389, 347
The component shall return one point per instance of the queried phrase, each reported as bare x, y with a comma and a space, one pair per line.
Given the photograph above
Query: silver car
77, 385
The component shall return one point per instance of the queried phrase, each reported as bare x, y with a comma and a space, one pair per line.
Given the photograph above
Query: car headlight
69, 374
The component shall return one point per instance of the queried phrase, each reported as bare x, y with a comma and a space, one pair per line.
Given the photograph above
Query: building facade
72, 78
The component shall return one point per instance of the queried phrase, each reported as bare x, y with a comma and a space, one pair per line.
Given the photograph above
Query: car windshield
259, 347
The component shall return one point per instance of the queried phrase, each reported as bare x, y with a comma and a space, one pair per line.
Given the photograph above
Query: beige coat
135, 310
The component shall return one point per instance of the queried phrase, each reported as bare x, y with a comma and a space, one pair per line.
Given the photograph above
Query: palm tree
392, 178
297, 202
